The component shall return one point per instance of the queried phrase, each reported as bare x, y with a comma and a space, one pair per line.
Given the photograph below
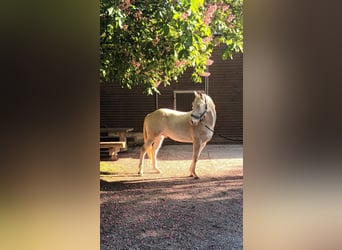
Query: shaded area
166, 182
173, 213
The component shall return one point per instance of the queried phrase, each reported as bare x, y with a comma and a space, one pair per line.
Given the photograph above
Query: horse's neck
210, 118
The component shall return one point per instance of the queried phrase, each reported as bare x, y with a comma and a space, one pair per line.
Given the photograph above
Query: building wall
120, 107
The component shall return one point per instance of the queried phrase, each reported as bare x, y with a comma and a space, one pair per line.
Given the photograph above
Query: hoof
140, 174
194, 176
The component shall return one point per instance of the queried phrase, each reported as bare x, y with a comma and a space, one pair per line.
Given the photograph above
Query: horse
195, 126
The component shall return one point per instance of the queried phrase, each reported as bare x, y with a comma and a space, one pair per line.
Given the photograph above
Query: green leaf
196, 4
188, 41
110, 11
166, 30
226, 53
183, 54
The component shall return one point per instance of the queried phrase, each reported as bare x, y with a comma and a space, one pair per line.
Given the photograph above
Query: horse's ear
198, 94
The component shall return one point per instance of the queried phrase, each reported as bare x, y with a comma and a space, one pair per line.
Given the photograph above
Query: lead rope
227, 138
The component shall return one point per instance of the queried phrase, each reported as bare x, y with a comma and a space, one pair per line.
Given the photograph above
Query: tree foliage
152, 42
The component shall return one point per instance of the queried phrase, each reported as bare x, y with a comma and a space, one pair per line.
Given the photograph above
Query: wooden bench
121, 133
114, 148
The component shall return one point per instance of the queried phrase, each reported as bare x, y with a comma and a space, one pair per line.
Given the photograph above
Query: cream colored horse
195, 126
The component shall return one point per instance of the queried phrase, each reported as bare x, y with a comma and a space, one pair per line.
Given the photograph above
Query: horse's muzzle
194, 122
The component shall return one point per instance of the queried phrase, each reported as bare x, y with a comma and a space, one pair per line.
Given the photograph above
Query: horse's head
199, 108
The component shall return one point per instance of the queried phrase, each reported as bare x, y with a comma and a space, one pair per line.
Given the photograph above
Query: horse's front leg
196, 152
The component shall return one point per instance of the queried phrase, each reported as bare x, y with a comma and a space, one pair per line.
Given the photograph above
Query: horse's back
165, 114
168, 122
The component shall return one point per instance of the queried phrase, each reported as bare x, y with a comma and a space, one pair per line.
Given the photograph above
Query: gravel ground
169, 210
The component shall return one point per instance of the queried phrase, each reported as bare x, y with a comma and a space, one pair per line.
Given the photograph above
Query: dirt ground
171, 210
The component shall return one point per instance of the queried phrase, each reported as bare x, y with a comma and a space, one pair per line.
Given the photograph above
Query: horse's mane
209, 100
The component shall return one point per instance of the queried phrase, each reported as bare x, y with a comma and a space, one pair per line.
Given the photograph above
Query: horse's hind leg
156, 146
143, 150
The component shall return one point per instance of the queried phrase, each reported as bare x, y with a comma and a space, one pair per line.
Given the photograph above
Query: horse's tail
149, 149
149, 152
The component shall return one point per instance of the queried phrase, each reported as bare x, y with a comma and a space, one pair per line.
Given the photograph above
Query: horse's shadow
117, 174
162, 182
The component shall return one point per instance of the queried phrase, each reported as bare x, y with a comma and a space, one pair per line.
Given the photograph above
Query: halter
201, 116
